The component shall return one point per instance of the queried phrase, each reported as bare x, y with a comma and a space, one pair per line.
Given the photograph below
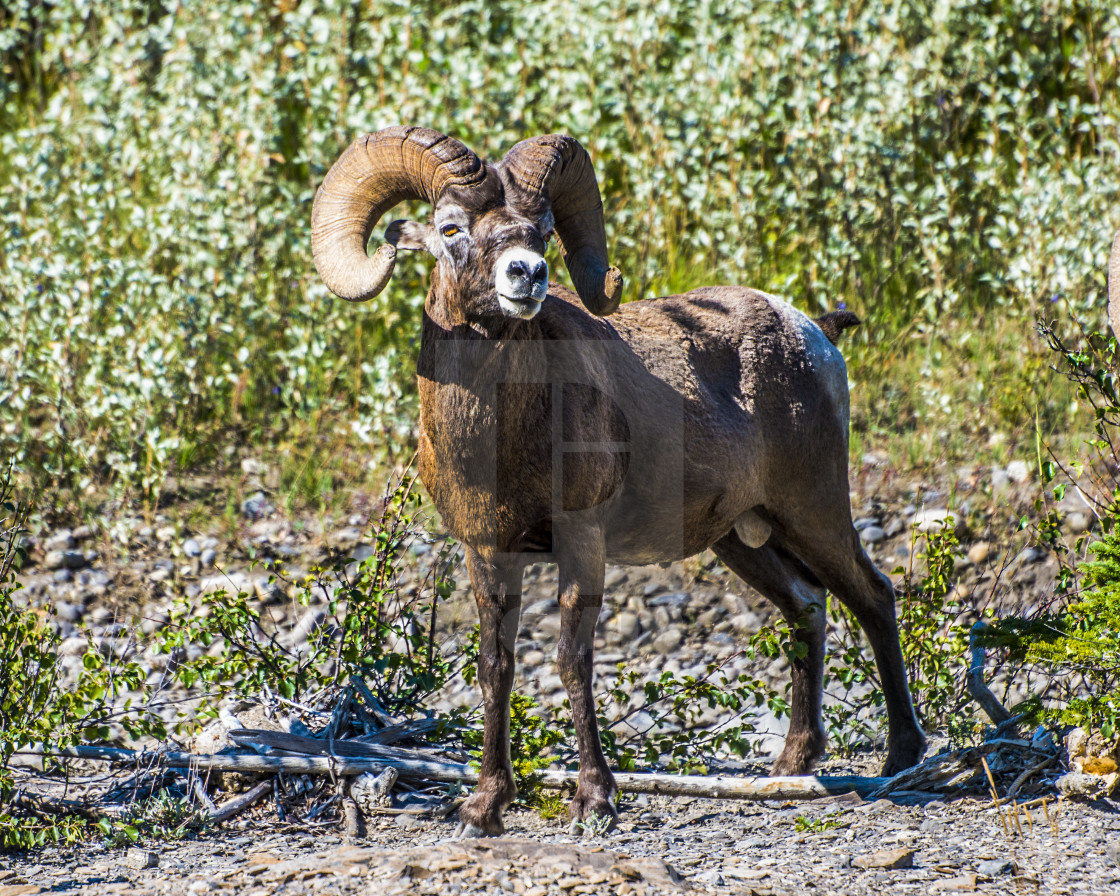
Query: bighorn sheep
714, 419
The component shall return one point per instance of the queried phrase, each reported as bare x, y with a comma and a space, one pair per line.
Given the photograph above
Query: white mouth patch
518, 282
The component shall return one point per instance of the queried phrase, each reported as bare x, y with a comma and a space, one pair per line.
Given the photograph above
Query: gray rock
626, 626
408, 822
257, 506
709, 617
616, 576
1113, 851
65, 560
932, 519
141, 858
676, 599
67, 612
1018, 471
669, 640
872, 535
1077, 522
62, 540
351, 535
995, 868
542, 607
881, 805
979, 552
887, 859
209, 555
191, 548
94, 578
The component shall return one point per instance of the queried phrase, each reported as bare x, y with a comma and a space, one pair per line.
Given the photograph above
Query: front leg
581, 563
497, 591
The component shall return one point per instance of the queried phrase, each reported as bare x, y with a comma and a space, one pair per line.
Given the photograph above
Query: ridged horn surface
557, 167
376, 172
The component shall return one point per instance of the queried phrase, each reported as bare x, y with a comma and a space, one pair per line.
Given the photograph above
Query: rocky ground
835, 845
680, 618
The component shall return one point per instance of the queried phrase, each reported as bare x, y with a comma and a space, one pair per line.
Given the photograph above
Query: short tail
835, 323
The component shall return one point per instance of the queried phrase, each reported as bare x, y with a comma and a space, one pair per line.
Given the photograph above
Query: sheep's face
490, 253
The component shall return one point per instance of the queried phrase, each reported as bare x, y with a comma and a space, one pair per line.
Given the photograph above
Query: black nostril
540, 272
517, 269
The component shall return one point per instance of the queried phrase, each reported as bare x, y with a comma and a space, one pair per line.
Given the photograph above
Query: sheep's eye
449, 230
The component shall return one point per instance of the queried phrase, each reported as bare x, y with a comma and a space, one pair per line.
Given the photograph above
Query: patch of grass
805, 825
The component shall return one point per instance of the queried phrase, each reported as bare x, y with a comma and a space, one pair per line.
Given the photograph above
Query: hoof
467, 831
902, 757
904, 750
592, 816
799, 755
480, 816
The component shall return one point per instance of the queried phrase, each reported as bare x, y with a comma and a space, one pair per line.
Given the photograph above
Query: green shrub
675, 737
38, 709
158, 162
1075, 636
371, 630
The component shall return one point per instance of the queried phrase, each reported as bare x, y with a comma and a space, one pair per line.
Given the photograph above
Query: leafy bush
159, 162
1075, 637
36, 708
674, 735
163, 816
369, 630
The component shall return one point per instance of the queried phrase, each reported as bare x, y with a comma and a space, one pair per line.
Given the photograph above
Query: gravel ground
677, 618
836, 845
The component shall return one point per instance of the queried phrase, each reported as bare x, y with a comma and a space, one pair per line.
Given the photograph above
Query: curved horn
1114, 286
375, 173
558, 167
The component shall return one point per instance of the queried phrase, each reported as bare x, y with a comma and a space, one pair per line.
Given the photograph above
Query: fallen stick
46, 807
415, 769
241, 803
202, 796
805, 787
977, 687
720, 787
946, 770
315, 746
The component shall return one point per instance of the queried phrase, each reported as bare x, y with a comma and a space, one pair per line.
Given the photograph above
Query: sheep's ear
409, 236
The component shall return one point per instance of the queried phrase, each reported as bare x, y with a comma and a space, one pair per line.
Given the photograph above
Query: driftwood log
805, 787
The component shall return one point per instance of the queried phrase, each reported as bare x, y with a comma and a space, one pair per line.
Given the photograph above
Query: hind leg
836, 556
793, 589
